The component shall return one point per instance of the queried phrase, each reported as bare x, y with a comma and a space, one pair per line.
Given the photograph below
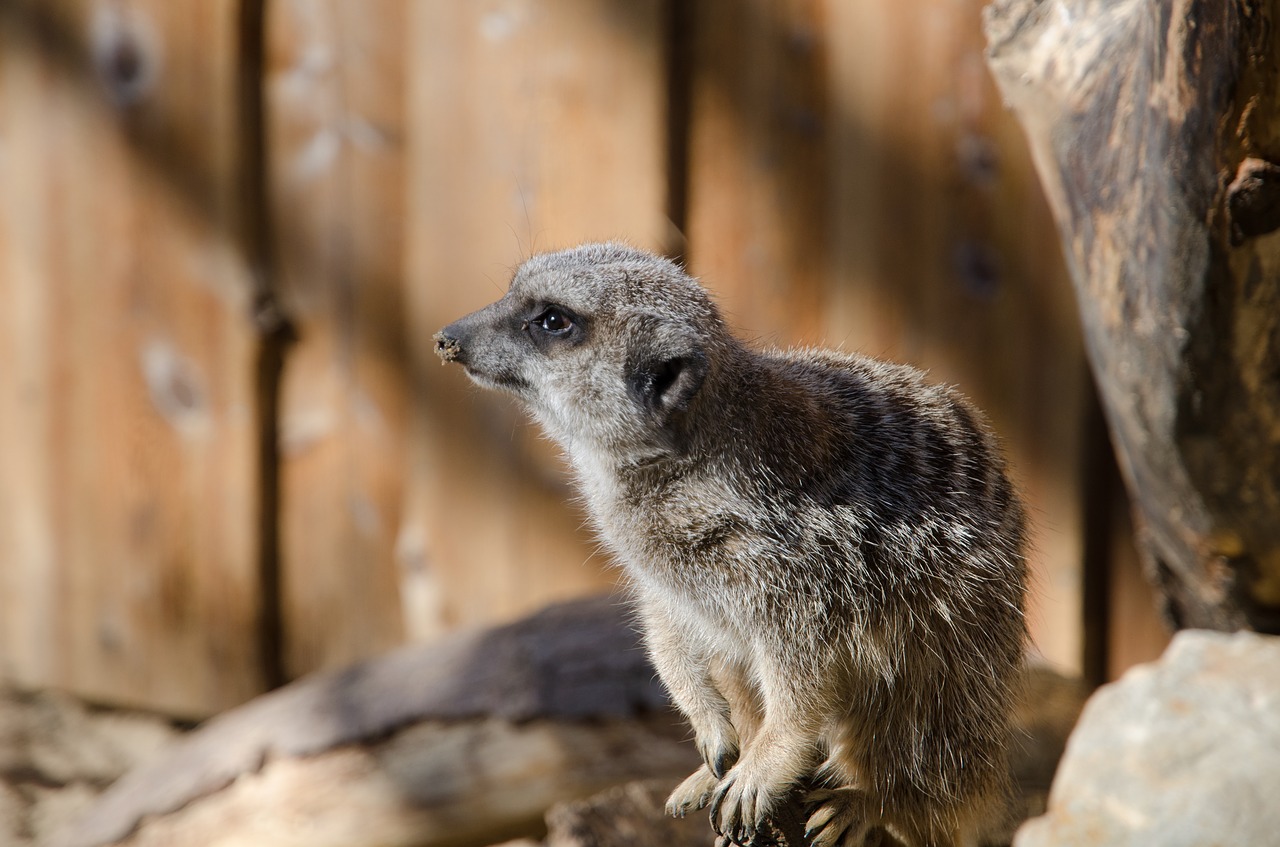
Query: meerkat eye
554, 321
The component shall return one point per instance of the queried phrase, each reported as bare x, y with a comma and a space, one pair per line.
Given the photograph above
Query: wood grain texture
335, 92
533, 125
429, 785
128, 501
1154, 130
855, 182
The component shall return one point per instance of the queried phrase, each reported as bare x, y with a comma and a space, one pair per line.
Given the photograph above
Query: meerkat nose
447, 347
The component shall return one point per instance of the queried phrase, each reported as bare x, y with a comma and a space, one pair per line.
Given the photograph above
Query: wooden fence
228, 229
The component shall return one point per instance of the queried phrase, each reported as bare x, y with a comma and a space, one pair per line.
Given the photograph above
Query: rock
1183, 751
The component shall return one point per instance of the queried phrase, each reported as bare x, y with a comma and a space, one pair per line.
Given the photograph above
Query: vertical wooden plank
128, 502
335, 103
855, 181
1136, 632
533, 125
759, 177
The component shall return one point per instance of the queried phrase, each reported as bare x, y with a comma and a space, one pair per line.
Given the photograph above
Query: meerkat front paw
741, 803
692, 794
718, 747
839, 818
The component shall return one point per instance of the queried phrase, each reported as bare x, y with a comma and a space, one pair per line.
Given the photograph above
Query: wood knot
1253, 200
977, 268
126, 55
176, 388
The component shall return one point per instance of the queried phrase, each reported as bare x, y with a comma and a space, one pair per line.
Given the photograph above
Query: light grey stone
1182, 752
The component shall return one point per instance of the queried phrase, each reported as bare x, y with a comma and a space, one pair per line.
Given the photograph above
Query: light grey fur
826, 553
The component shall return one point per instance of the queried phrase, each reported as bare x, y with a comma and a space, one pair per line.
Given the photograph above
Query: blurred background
228, 229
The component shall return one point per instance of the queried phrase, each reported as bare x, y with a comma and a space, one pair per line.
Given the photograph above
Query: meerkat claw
694, 793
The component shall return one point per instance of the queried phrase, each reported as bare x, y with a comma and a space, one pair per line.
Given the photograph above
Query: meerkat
825, 550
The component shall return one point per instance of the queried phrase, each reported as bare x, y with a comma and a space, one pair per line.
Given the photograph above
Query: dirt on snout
446, 348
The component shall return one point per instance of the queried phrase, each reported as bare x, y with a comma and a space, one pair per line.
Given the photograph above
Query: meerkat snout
447, 347
825, 550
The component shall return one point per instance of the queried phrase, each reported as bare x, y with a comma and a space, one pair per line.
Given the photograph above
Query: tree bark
1155, 127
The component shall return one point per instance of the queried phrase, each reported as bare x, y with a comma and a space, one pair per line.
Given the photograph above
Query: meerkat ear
665, 385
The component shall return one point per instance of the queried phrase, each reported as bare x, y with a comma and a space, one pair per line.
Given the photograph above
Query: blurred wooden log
1154, 129
57, 754
470, 742
634, 815
631, 814
466, 741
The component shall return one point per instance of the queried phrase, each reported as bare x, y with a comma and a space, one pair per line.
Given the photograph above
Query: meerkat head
608, 346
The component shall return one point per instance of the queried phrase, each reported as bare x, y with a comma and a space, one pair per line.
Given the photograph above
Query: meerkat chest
675, 534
